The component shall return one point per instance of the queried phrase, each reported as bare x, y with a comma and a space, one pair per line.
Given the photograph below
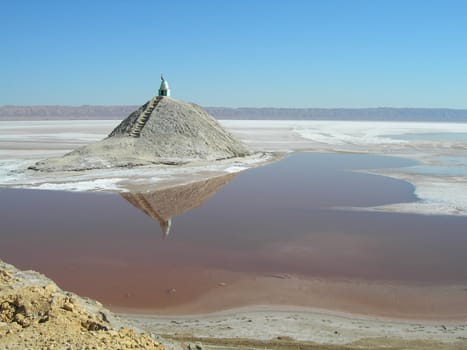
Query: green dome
164, 85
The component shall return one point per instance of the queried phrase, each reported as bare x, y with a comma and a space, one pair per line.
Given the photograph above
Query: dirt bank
36, 314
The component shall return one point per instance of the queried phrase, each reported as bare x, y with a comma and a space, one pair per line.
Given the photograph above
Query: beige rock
68, 306
50, 288
5, 275
35, 314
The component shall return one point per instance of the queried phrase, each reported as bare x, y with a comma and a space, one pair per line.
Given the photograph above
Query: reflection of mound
164, 204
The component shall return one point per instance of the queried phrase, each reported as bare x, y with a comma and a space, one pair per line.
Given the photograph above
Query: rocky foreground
36, 314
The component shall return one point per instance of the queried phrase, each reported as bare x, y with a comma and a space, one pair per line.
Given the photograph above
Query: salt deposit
438, 193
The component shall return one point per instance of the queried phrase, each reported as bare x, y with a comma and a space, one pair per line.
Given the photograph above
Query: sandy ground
371, 314
279, 327
308, 326
414, 317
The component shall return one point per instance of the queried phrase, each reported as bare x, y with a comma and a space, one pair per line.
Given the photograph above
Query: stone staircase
143, 118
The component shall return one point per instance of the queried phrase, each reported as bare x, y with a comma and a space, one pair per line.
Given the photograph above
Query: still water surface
280, 218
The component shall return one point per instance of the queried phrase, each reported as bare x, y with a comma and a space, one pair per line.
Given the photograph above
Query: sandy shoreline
303, 326
361, 298
323, 312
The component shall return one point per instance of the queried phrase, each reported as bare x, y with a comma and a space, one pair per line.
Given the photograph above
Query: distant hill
120, 112
64, 112
397, 114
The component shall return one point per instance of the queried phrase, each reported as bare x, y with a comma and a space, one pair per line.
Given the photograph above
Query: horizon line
242, 107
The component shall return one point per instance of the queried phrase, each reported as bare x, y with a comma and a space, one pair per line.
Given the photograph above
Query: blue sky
242, 53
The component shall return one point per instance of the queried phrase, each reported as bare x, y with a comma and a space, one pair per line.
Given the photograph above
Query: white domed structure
164, 89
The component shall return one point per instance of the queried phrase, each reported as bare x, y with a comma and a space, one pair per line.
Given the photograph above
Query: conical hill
162, 131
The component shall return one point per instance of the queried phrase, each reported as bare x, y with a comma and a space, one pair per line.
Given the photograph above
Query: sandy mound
162, 131
36, 314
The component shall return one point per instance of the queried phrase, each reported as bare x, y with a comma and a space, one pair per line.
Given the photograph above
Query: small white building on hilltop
164, 90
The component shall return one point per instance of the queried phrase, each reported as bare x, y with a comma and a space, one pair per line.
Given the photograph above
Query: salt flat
265, 323
24, 142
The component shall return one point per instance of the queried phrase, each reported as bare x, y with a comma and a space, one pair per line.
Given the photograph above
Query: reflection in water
163, 205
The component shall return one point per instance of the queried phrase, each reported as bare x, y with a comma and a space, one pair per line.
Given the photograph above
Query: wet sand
390, 300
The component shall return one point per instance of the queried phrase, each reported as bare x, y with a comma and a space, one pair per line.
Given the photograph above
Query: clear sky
239, 53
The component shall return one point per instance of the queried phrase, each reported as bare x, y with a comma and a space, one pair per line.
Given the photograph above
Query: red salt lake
276, 220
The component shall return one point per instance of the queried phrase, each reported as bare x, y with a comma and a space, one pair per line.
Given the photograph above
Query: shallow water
275, 219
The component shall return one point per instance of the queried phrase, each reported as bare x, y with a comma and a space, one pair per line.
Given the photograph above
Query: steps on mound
143, 118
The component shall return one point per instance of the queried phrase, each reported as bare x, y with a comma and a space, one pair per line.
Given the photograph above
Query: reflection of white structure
165, 226
164, 90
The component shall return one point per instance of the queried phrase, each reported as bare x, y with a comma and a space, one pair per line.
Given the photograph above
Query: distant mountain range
120, 112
